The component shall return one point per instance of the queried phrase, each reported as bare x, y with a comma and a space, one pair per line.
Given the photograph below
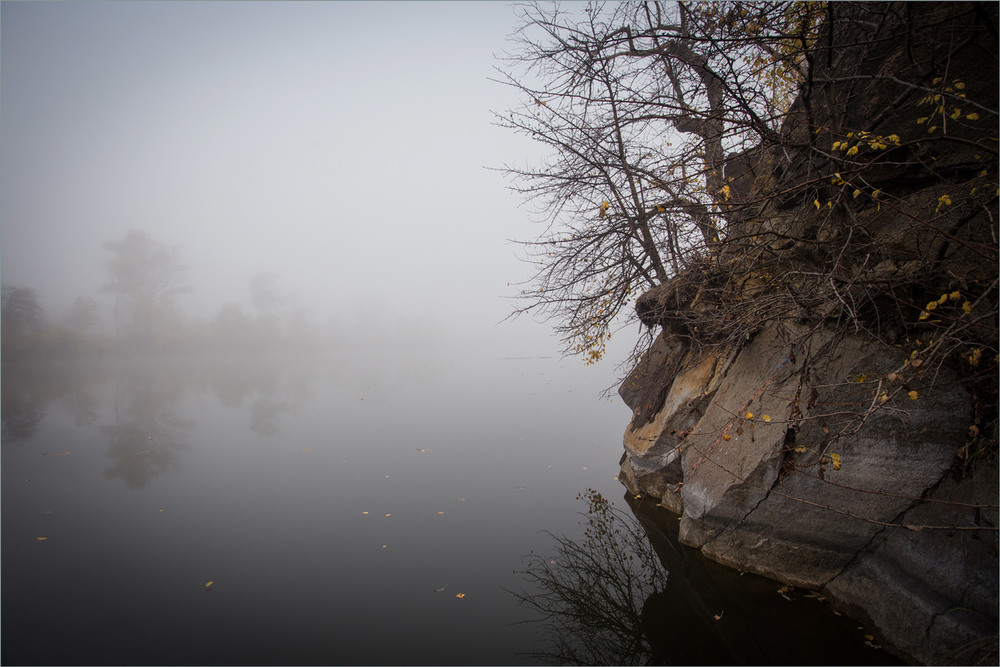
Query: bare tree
145, 276
640, 104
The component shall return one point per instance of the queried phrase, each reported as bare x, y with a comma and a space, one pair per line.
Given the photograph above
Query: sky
346, 147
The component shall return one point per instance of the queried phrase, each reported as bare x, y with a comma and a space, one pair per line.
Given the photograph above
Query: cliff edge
819, 405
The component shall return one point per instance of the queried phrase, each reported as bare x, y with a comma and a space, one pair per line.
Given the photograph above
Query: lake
361, 509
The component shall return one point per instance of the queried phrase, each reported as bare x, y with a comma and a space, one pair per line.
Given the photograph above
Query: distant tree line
146, 278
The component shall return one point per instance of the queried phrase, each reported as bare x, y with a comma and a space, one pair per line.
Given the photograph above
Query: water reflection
148, 433
630, 593
147, 436
589, 597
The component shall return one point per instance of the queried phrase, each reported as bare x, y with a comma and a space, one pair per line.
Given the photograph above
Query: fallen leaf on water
41, 539
64, 453
520, 488
364, 512
438, 590
388, 515
440, 513
460, 595
385, 546
308, 449
209, 583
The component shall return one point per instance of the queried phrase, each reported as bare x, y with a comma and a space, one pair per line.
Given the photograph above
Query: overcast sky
342, 146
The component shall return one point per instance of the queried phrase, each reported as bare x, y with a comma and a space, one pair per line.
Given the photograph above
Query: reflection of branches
264, 415
21, 416
592, 593
148, 436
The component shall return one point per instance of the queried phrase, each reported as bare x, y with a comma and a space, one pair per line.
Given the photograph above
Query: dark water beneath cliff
339, 511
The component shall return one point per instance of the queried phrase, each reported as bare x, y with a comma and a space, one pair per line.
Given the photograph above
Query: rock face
835, 457
777, 464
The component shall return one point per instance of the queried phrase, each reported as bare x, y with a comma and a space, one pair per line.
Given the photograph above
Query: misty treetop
147, 278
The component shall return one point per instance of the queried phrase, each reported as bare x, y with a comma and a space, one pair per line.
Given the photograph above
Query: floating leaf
309, 449
440, 590
41, 539
460, 595
209, 583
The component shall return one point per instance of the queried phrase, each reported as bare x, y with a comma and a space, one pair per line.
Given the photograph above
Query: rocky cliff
819, 404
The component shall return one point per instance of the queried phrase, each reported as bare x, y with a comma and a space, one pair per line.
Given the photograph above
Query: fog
344, 149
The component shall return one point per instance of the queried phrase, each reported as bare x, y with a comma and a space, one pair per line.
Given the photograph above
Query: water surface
351, 510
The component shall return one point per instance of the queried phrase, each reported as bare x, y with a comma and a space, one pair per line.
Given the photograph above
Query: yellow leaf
853, 150
604, 207
856, 193
860, 378
801, 449
924, 315
748, 415
955, 296
975, 356
209, 583
816, 202
972, 116
727, 437
836, 461
766, 418
967, 307
913, 395
41, 539
460, 595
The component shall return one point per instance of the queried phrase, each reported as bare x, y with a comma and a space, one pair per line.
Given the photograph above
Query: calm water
339, 511
327, 501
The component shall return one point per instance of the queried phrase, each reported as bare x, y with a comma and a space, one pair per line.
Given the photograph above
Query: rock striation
841, 458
